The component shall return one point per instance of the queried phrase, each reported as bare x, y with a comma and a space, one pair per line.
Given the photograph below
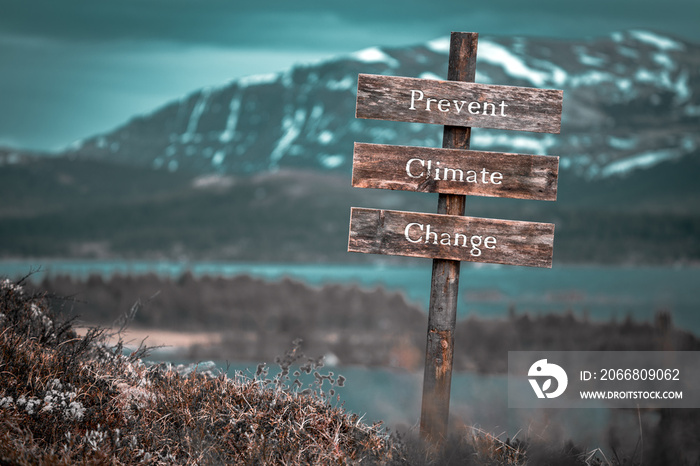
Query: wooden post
437, 378
415, 235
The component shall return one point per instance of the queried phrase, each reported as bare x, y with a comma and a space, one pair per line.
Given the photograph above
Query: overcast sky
74, 68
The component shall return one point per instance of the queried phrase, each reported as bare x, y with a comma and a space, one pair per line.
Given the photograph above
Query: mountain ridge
617, 90
158, 186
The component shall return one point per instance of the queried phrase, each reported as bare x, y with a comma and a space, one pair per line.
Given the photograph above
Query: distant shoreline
247, 318
16, 267
164, 341
599, 292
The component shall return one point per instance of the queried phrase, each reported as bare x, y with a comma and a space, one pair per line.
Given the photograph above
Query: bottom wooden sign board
451, 237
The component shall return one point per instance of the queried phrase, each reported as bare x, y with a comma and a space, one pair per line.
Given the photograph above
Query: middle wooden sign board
455, 171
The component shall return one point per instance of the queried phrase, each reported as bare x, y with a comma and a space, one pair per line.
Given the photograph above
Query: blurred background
192, 160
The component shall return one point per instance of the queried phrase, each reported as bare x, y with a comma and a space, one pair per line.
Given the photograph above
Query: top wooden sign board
456, 103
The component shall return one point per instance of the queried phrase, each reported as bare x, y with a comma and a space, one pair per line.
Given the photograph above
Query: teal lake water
600, 292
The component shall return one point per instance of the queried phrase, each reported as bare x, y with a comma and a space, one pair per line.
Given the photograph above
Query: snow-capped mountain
631, 100
259, 169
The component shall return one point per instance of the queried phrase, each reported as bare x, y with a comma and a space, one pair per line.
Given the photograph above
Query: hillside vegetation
66, 399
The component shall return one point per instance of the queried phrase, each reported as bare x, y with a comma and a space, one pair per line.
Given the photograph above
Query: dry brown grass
69, 399
73, 399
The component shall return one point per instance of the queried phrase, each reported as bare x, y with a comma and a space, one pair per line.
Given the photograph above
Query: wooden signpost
453, 171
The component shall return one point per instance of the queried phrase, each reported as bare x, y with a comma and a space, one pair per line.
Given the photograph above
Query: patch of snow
76, 145
482, 78
625, 85
218, 158
591, 78
332, 161
348, 82
292, 128
644, 75
536, 145
257, 79
232, 120
430, 75
316, 112
315, 120
664, 60
296, 149
586, 59
660, 42
643, 160
622, 143
498, 55
196, 114
375, 55
440, 45
326, 137
682, 87
558, 75
658, 78
628, 52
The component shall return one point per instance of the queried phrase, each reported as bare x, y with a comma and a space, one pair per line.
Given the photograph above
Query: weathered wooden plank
456, 103
453, 171
451, 237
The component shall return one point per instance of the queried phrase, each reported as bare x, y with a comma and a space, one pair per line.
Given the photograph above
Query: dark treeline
259, 319
78, 208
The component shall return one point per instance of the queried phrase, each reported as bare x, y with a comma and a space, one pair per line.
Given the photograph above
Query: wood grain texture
521, 176
526, 109
375, 231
